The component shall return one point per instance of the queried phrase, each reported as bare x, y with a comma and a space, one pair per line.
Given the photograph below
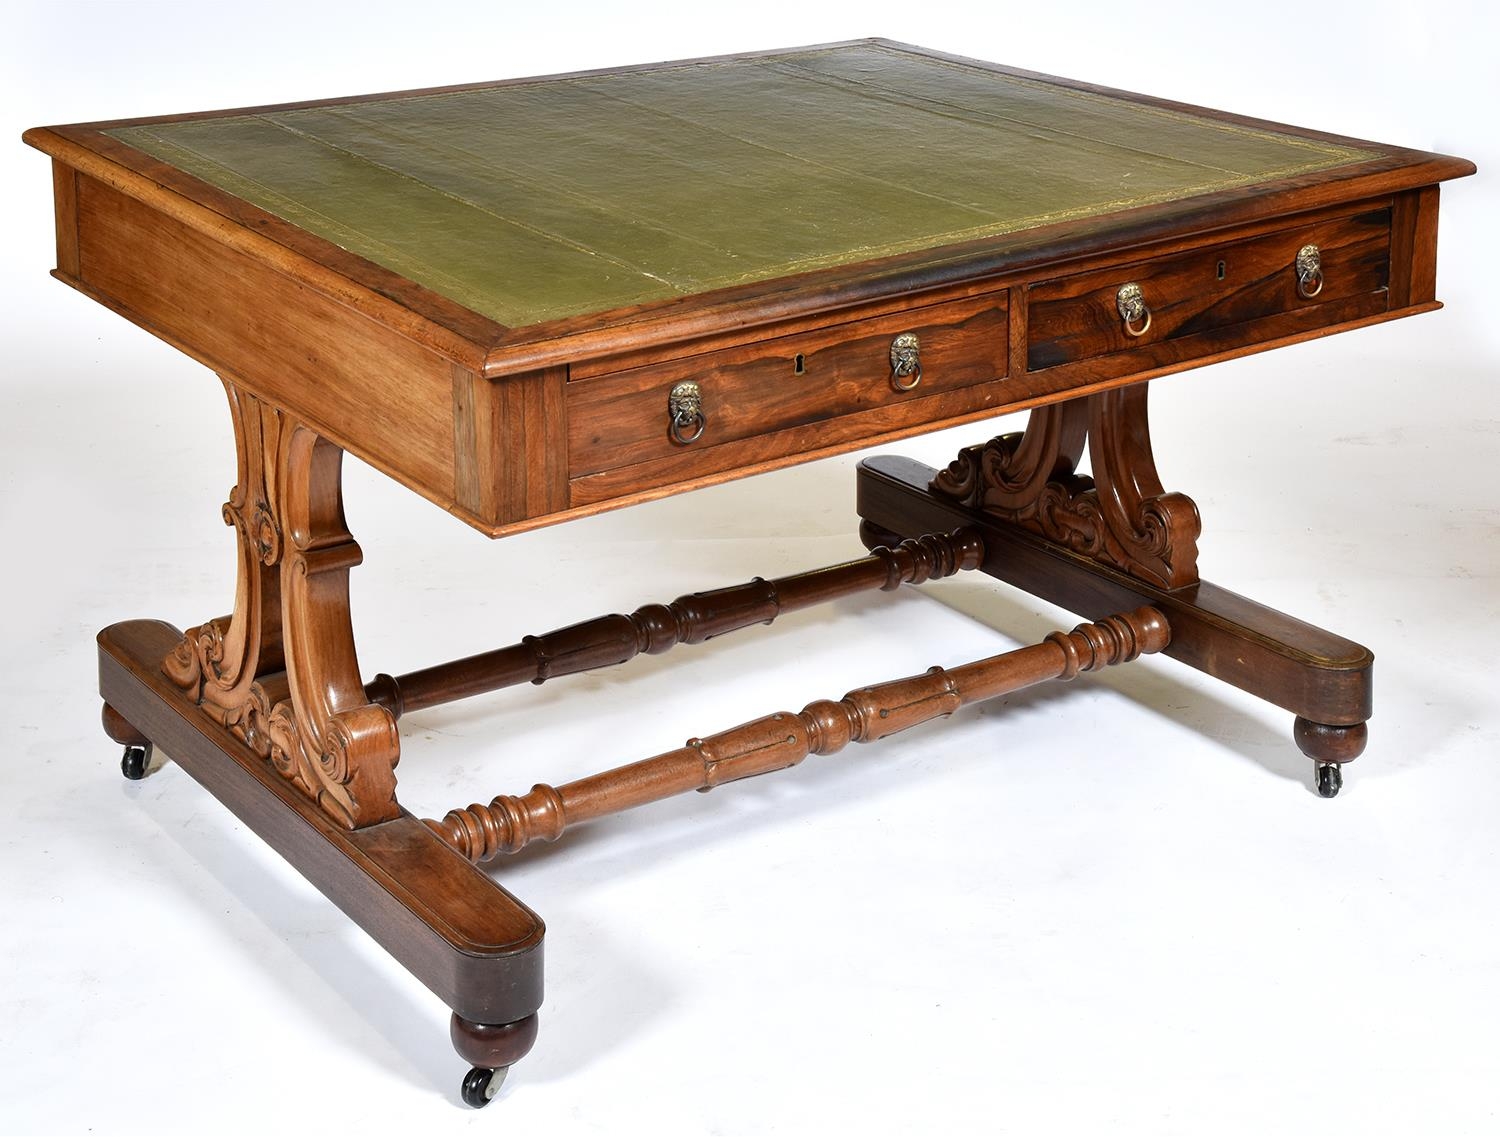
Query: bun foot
1330, 747
493, 1049
481, 1085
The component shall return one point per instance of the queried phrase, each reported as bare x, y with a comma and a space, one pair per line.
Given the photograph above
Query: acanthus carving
1120, 516
280, 673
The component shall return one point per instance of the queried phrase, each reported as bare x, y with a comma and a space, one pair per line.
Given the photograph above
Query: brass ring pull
1309, 265
906, 361
685, 419
1131, 304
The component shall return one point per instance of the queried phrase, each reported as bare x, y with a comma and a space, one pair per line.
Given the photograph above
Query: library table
533, 300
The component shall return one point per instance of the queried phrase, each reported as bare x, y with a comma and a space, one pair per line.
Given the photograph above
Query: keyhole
799, 365
1221, 270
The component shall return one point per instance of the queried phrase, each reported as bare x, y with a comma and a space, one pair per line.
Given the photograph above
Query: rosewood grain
471, 942
1304, 669
1219, 286
779, 741
323, 351
280, 672
619, 419
378, 395
1120, 516
656, 628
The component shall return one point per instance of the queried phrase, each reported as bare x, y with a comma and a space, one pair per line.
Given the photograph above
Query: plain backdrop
1115, 906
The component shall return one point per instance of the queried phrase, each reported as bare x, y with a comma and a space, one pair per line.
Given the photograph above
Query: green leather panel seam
560, 197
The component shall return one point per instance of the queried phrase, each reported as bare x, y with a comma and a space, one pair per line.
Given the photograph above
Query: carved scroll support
280, 672
1120, 516
656, 628
779, 741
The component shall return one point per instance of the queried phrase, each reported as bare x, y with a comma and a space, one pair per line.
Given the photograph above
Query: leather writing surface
559, 197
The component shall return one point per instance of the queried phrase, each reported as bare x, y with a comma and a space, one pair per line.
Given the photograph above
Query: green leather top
559, 197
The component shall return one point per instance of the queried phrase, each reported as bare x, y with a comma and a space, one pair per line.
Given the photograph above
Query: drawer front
1250, 284
622, 418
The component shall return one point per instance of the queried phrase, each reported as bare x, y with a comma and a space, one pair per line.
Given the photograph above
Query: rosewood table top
506, 280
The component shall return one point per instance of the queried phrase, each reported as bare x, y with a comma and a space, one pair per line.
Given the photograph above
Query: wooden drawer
793, 381
1210, 299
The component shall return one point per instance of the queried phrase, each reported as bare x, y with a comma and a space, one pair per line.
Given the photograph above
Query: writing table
533, 300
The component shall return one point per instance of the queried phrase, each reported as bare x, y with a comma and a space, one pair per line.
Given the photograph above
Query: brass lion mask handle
685, 419
1130, 302
906, 361
1309, 265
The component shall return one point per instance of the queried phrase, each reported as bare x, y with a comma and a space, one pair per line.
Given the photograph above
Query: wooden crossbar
655, 628
778, 741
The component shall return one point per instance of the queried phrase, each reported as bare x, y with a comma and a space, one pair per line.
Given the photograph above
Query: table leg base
471, 942
1323, 679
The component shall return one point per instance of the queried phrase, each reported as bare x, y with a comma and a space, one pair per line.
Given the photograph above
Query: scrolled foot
1330, 779
481, 1084
135, 762
1330, 747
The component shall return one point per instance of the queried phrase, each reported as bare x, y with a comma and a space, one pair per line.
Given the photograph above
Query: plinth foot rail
778, 741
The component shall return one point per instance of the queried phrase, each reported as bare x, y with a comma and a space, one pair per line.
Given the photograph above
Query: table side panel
375, 393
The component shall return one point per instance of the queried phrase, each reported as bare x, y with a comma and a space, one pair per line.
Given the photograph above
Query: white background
1112, 907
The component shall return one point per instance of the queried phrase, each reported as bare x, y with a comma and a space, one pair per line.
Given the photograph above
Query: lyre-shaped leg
1120, 516
1099, 543
281, 671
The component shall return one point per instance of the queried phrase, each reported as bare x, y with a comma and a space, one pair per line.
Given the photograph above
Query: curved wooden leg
1330, 747
280, 672
1118, 516
491, 1050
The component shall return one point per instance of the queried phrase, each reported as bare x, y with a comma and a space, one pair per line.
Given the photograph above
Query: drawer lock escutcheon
1309, 271
906, 361
1131, 303
685, 419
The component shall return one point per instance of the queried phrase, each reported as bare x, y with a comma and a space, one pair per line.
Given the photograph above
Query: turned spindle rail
778, 741
692, 619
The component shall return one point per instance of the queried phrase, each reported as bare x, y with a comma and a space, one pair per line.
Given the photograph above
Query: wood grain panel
1414, 224
1221, 285
795, 380
376, 394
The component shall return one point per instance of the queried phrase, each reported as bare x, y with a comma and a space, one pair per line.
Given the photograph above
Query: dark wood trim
1304, 669
472, 943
